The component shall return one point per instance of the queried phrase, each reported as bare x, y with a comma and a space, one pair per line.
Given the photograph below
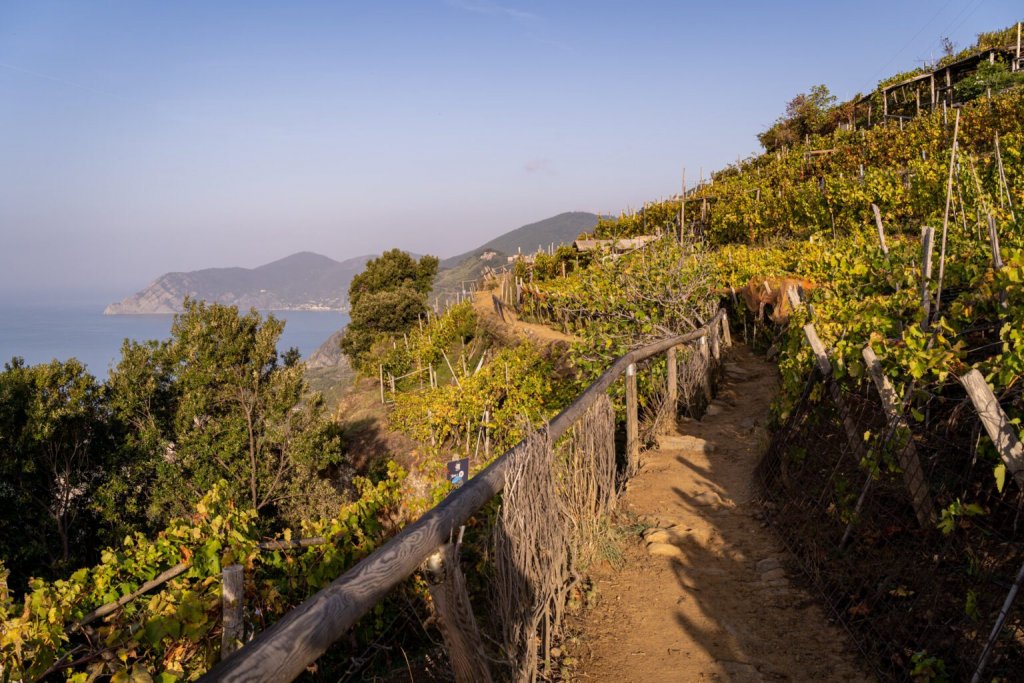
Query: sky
140, 137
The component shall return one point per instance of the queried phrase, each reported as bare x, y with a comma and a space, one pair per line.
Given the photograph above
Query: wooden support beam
726, 334
632, 423
927, 240
913, 475
998, 426
232, 598
447, 587
672, 390
702, 349
993, 238
820, 357
854, 437
881, 230
945, 218
106, 609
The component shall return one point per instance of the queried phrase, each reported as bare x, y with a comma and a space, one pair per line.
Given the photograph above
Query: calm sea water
40, 332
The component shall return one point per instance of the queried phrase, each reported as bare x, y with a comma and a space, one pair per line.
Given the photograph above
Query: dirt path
512, 325
704, 595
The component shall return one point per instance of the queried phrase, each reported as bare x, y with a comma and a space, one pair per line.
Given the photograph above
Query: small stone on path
665, 550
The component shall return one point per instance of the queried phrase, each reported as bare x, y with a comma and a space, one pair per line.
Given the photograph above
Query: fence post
996, 423
672, 397
232, 602
447, 588
632, 423
726, 336
706, 375
907, 456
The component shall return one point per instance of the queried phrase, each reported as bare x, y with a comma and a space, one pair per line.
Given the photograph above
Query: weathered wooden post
927, 238
913, 476
705, 355
997, 259
853, 437
726, 336
233, 605
996, 423
672, 397
632, 423
945, 218
881, 230
447, 587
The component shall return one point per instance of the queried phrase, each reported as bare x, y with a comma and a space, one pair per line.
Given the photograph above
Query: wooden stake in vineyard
927, 240
945, 218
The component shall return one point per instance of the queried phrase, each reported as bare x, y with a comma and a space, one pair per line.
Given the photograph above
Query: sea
57, 328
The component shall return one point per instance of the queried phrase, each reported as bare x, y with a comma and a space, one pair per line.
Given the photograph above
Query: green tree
386, 299
216, 402
54, 450
806, 114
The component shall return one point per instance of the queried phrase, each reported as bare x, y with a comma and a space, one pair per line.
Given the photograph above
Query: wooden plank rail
284, 650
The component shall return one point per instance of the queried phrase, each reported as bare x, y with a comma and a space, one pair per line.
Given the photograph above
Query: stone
682, 442
768, 564
772, 574
659, 536
665, 550
713, 410
710, 499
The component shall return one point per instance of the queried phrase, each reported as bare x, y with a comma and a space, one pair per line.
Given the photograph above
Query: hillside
560, 229
831, 460
302, 281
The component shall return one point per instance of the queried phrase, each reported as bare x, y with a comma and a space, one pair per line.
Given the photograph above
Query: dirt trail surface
483, 304
704, 595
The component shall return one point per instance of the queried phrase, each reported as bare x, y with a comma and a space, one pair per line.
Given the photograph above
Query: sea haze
40, 332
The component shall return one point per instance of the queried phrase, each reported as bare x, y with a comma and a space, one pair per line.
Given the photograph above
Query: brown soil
367, 436
716, 604
512, 326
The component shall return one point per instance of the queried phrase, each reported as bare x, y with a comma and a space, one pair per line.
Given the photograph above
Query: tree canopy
386, 299
806, 114
217, 402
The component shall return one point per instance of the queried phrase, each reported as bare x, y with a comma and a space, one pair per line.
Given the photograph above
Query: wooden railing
284, 650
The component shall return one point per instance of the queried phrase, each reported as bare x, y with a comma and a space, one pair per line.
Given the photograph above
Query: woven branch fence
558, 486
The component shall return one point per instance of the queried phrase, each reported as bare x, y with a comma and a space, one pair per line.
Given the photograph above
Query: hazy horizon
142, 138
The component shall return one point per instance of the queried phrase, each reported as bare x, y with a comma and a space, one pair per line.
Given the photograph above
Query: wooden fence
284, 650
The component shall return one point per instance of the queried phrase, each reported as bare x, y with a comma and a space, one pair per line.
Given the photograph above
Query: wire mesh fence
920, 600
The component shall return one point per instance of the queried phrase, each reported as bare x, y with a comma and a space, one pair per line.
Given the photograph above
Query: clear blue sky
142, 137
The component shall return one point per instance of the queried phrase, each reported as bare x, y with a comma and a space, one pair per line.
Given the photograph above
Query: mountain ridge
303, 281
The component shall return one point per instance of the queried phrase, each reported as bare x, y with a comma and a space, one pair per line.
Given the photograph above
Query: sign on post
458, 472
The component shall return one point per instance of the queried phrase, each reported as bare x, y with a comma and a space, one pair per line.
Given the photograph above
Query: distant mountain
303, 281
560, 229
